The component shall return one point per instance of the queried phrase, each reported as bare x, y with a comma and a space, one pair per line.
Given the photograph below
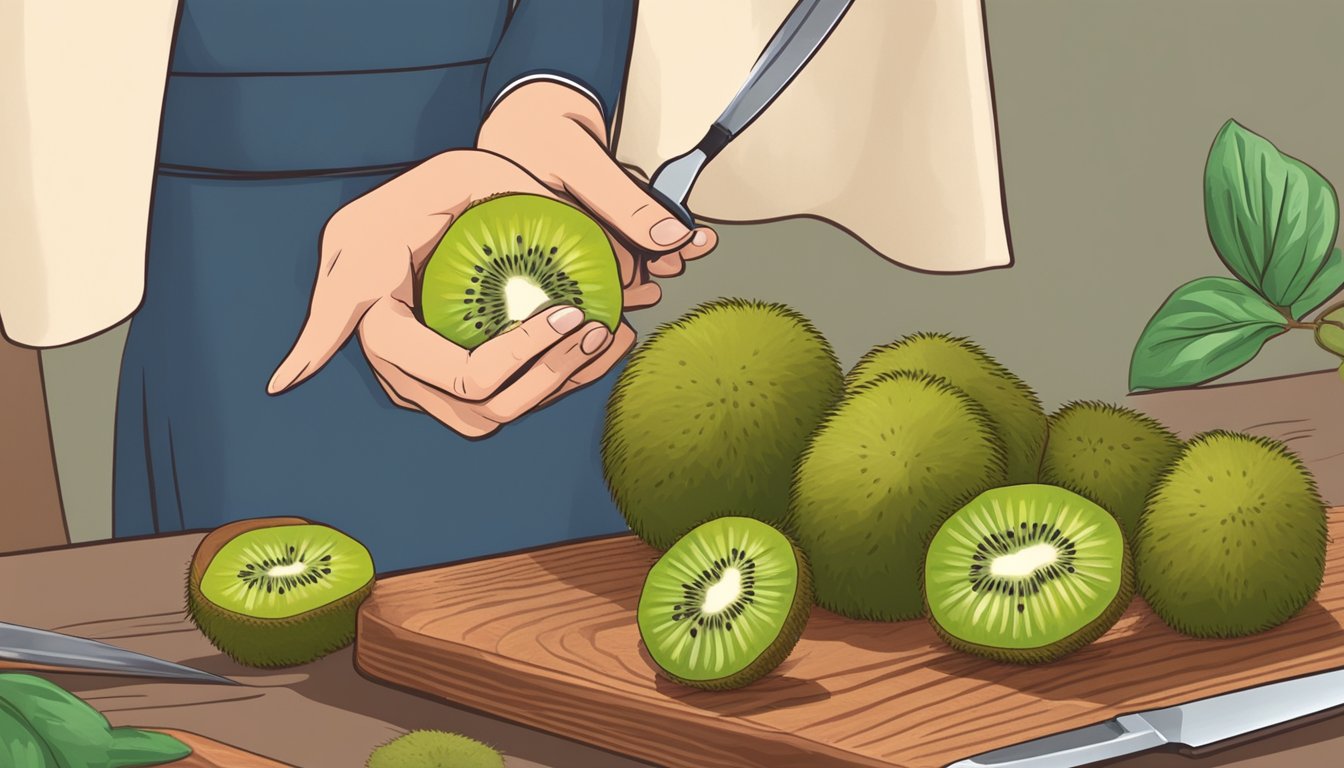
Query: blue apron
276, 115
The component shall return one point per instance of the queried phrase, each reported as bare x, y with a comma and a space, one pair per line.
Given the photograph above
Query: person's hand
559, 136
371, 252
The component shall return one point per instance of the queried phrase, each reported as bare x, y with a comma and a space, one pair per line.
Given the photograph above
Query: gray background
1106, 112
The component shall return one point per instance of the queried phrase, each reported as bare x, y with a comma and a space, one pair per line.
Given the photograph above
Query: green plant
1273, 221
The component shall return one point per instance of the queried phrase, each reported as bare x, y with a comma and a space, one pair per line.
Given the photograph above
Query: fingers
463, 418
641, 295
391, 332
331, 319
604, 188
548, 374
620, 345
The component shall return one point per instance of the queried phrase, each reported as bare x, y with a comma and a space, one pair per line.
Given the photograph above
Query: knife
804, 30
1197, 724
28, 648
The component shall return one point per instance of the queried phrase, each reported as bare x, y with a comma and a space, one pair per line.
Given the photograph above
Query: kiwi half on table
275, 592
726, 604
1027, 574
512, 255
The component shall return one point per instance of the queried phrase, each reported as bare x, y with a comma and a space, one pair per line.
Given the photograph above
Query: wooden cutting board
208, 753
548, 639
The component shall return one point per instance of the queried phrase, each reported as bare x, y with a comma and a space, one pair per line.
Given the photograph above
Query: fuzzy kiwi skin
1013, 407
873, 486
789, 633
433, 749
1063, 647
268, 643
1234, 537
710, 414
1110, 455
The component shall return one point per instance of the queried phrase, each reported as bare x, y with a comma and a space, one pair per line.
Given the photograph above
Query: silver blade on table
1196, 724
28, 645
804, 30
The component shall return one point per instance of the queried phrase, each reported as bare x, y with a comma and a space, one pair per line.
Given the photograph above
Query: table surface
327, 714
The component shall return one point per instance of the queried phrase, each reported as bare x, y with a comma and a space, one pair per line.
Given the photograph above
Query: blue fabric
259, 148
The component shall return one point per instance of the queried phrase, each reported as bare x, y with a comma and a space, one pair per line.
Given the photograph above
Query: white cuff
553, 78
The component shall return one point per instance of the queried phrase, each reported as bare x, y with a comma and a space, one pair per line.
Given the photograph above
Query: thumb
606, 189
325, 330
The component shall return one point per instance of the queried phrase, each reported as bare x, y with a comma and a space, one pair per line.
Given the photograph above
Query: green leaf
1272, 218
1207, 328
132, 748
19, 746
75, 732
1330, 336
1327, 283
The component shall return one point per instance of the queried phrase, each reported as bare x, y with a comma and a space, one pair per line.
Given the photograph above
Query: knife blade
795, 42
26, 647
1196, 724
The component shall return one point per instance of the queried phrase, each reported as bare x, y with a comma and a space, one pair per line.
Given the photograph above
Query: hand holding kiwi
542, 340
558, 135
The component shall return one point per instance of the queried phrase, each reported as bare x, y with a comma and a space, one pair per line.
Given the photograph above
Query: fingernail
277, 384
668, 231
565, 320
593, 340
700, 238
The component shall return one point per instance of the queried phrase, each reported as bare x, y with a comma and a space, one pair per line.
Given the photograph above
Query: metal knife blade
795, 42
1196, 724
53, 650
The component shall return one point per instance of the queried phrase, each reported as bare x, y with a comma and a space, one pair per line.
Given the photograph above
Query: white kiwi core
293, 569
723, 593
1023, 562
522, 297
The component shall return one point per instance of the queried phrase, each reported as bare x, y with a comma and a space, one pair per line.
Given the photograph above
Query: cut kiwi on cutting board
512, 255
1027, 574
275, 592
725, 604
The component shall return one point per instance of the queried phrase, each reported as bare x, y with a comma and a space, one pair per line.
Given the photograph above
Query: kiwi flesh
1234, 538
510, 256
1026, 574
1112, 455
889, 463
725, 604
711, 413
1013, 407
276, 592
434, 749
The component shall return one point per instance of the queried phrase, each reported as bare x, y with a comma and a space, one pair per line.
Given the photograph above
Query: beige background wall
1106, 112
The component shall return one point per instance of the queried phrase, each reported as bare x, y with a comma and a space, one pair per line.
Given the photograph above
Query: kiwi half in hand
726, 604
275, 592
1027, 574
512, 255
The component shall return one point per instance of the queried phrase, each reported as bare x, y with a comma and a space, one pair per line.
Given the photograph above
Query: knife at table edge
1217, 720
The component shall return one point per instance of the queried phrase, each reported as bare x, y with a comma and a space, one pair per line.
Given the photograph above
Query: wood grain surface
548, 639
208, 753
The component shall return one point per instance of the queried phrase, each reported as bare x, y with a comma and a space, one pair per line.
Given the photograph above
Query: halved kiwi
726, 604
1027, 574
512, 255
274, 592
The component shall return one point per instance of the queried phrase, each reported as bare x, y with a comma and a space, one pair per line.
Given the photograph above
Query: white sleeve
553, 78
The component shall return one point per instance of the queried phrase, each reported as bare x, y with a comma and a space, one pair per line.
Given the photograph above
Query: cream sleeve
81, 90
889, 132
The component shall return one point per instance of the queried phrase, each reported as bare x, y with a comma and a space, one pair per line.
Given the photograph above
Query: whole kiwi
1233, 539
1109, 454
1013, 408
434, 749
888, 464
710, 415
